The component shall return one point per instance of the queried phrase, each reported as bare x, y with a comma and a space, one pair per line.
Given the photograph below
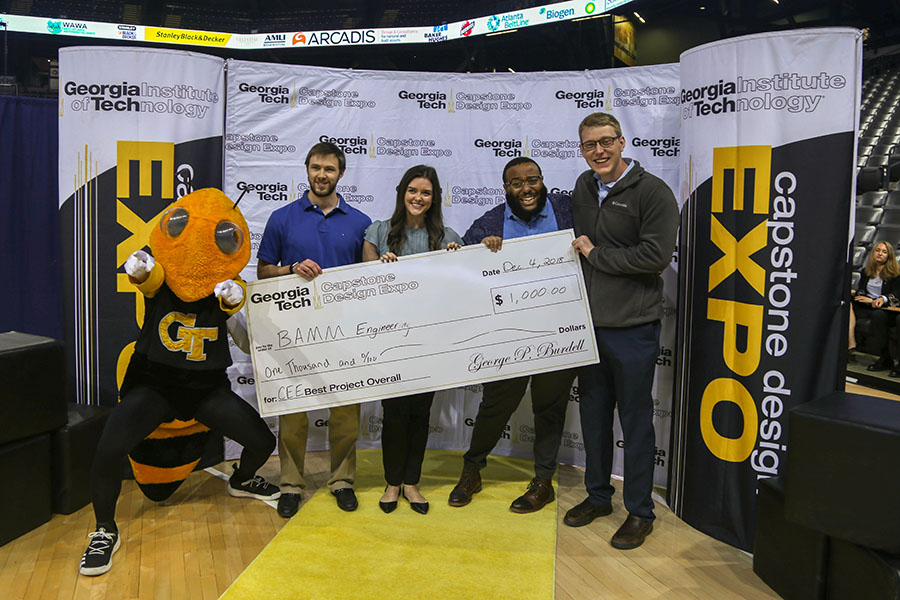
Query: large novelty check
430, 321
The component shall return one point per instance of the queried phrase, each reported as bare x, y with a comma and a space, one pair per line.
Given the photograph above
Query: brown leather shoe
469, 484
584, 513
632, 533
539, 494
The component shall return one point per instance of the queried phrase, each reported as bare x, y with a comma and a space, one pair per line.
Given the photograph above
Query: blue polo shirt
300, 230
542, 222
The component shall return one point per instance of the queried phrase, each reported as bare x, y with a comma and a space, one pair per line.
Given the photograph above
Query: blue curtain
30, 278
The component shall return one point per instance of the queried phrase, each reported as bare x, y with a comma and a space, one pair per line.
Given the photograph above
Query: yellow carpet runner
480, 551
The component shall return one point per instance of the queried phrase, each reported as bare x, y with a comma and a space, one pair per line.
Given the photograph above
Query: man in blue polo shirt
318, 231
529, 210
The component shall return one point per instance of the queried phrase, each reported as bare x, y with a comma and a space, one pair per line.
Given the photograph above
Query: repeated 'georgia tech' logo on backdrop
268, 94
268, 191
306, 96
583, 98
484, 101
356, 144
502, 148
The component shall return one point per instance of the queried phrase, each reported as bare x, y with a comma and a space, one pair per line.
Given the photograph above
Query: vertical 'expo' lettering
145, 154
740, 179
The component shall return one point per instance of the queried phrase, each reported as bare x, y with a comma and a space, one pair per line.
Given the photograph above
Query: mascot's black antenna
239, 199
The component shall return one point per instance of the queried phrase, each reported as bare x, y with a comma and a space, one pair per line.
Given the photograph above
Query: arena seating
878, 171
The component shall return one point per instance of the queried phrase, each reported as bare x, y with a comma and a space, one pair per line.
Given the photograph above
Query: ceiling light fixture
640, 18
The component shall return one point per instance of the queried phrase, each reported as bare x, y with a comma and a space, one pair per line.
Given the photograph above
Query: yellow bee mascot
191, 286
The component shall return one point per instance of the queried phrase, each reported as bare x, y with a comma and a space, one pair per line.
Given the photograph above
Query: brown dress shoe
632, 533
584, 513
469, 483
540, 493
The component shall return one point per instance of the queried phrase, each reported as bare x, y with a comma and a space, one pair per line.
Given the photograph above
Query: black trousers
404, 435
549, 401
145, 407
881, 320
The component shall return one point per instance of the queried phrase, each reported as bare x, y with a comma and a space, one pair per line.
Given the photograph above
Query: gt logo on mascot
190, 338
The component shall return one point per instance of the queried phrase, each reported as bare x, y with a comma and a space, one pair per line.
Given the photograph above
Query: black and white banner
138, 128
468, 126
768, 140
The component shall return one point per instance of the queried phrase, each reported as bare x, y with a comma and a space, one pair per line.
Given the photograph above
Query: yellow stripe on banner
479, 551
150, 474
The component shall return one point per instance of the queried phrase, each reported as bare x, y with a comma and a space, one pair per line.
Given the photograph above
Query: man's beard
328, 191
520, 212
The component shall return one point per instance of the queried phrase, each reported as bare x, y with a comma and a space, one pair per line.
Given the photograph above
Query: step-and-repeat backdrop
468, 126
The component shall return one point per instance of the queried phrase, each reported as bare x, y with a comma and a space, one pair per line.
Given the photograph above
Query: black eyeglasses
605, 142
517, 184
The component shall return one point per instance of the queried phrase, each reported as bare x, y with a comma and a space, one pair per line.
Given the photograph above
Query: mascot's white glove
139, 265
230, 292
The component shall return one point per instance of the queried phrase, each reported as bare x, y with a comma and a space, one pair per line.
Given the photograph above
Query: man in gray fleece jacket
626, 221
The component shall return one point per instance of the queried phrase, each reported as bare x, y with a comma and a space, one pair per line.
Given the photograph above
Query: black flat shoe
419, 507
881, 365
387, 507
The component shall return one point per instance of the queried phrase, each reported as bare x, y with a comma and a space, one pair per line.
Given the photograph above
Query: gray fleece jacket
634, 233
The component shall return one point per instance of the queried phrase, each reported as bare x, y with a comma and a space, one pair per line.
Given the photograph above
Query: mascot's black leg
134, 418
225, 412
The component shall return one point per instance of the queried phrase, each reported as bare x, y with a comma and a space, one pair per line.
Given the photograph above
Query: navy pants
623, 378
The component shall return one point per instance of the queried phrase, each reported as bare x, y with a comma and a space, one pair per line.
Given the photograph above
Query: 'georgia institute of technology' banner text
768, 130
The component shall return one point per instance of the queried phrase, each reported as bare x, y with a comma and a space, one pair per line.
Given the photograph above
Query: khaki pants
343, 430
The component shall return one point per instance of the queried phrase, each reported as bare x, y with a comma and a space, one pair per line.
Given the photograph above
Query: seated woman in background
416, 226
878, 287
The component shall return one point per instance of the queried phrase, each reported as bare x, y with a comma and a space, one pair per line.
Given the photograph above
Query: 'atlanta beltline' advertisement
768, 130
138, 128
468, 126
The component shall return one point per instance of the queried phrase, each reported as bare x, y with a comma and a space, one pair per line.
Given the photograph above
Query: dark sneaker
255, 487
97, 559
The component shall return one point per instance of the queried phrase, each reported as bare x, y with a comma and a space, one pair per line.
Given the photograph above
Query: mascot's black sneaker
97, 559
255, 487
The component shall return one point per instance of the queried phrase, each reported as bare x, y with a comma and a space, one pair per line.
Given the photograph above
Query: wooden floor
196, 544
